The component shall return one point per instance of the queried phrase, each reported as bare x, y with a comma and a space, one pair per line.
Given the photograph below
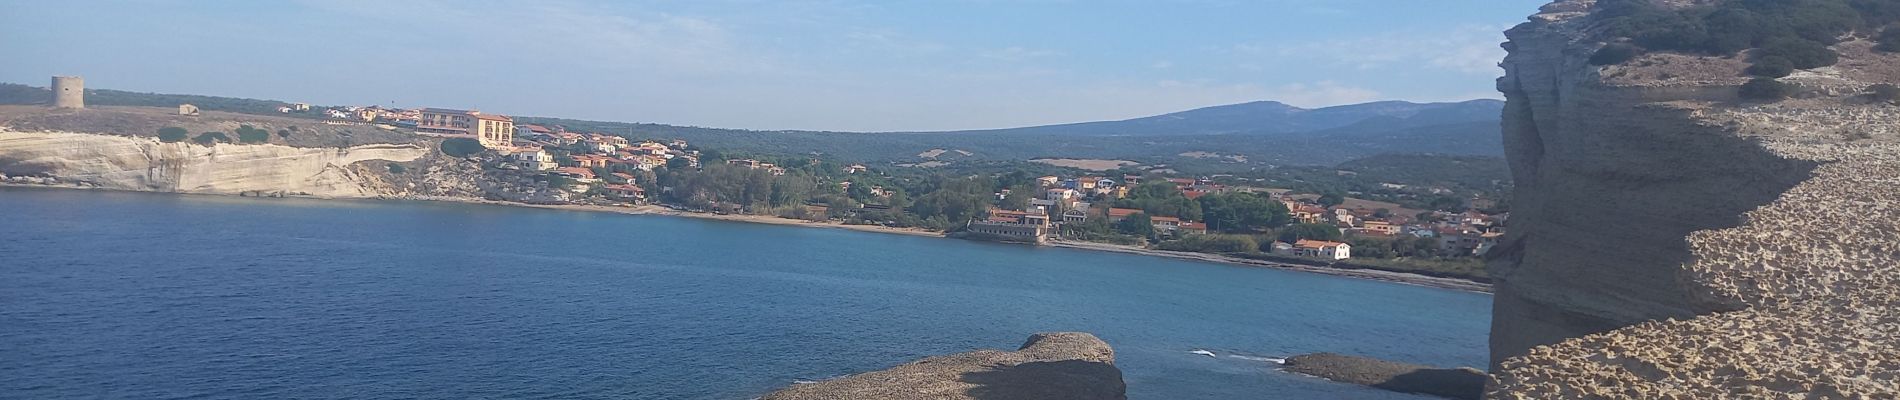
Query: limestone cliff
1050, 366
1671, 241
145, 164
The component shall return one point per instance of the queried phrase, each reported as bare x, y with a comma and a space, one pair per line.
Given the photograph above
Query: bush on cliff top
211, 138
1615, 53
1799, 31
172, 134
462, 147
1766, 89
1771, 67
252, 134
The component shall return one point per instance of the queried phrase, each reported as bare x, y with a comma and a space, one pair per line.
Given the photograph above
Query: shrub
251, 134
210, 138
1212, 244
283, 133
1766, 89
1889, 40
397, 168
1615, 53
1884, 92
1801, 53
1771, 67
172, 134
462, 147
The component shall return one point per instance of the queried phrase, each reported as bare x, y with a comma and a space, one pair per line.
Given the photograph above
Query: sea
126, 295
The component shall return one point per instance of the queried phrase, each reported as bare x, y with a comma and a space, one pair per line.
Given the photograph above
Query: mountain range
1248, 135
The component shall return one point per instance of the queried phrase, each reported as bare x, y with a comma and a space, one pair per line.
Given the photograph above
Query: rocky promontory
1052, 366
1671, 239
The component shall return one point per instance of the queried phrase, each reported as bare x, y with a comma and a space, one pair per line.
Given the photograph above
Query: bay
141, 295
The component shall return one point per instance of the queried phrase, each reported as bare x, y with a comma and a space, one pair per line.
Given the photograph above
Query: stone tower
69, 92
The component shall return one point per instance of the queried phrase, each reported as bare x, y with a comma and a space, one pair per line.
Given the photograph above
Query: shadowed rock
1456, 383
1067, 365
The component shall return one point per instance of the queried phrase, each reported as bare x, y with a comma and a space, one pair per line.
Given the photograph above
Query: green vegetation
1212, 244
1242, 212
1796, 31
1766, 89
251, 134
1771, 67
172, 134
1161, 198
395, 168
1138, 225
283, 133
1311, 232
211, 138
1884, 92
462, 147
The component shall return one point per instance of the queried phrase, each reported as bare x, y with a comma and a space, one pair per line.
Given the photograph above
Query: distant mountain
1271, 118
1265, 133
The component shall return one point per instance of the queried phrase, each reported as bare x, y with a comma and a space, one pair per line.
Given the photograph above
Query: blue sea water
135, 295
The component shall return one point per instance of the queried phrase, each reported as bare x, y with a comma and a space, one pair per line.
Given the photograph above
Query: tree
1310, 232
1242, 212
678, 163
1765, 89
252, 134
211, 138
172, 134
1771, 67
1018, 198
1332, 199
1889, 40
1137, 224
462, 147
1800, 53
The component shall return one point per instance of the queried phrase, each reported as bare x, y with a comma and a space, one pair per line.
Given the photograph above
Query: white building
1322, 249
534, 160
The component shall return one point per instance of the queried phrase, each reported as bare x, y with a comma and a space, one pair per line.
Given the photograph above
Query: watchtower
69, 92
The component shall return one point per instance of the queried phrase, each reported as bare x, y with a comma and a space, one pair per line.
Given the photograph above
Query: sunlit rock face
145, 164
1669, 240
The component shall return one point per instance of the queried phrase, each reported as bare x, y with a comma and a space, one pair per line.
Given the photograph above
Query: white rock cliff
1671, 241
145, 164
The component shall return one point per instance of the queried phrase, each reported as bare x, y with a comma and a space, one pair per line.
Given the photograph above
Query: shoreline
649, 209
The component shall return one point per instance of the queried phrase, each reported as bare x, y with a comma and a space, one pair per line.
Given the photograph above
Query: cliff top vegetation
1785, 34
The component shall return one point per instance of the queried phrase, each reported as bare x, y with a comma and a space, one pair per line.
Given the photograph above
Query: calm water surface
131, 295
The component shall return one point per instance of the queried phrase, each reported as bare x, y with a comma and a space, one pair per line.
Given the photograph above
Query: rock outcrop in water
1050, 366
1671, 241
1454, 383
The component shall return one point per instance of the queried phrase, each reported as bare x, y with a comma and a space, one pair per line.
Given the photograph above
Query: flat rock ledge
1455, 383
1063, 365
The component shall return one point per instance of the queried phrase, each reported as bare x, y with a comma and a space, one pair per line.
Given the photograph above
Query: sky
811, 65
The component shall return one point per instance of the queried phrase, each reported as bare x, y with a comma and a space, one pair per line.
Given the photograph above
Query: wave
1275, 360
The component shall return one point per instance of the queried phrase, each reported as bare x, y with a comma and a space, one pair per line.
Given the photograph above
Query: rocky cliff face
1050, 366
1668, 240
144, 163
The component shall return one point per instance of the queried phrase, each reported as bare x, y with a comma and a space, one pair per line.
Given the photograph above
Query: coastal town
597, 168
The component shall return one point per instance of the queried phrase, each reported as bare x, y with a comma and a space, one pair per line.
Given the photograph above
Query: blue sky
822, 65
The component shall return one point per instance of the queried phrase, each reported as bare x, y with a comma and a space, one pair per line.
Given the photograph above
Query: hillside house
1322, 249
534, 159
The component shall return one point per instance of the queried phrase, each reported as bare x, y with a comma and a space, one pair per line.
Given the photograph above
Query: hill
1237, 137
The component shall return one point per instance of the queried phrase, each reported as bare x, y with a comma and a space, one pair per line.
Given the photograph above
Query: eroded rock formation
1671, 241
145, 164
1051, 366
